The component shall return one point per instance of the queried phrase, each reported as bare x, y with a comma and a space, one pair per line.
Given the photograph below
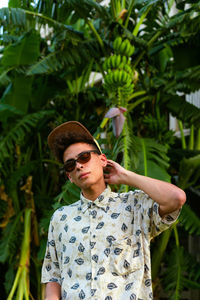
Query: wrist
126, 177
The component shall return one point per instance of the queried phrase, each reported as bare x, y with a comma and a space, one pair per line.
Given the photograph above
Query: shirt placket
93, 211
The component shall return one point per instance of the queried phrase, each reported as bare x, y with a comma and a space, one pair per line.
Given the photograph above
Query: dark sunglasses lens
85, 157
70, 165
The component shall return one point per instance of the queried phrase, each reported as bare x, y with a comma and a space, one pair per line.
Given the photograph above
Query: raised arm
52, 291
168, 196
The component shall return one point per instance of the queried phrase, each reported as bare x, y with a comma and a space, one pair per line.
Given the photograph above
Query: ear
69, 177
103, 160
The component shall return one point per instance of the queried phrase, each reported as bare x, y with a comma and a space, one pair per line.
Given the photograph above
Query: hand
114, 173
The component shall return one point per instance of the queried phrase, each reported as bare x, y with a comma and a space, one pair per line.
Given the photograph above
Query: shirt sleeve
50, 268
153, 223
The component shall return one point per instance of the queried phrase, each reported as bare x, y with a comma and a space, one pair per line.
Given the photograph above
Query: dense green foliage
48, 52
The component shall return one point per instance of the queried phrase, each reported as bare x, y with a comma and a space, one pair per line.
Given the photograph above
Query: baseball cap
66, 131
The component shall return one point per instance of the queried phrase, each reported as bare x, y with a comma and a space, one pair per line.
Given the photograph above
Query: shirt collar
101, 201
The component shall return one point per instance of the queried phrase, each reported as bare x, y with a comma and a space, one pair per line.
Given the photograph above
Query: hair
62, 142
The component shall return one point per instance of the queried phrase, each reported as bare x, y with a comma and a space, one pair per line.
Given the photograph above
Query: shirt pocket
125, 256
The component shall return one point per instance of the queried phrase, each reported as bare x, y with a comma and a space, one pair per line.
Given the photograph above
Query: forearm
52, 291
167, 195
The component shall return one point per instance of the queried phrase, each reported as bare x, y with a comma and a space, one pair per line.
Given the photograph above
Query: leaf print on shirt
52, 243
79, 261
124, 227
169, 218
95, 258
100, 198
88, 276
111, 286
155, 208
150, 296
67, 259
126, 264
148, 282
100, 225
117, 251
66, 228
108, 298
85, 229
136, 253
128, 208
60, 237
115, 274
138, 232
64, 248
92, 244
110, 239
115, 215
48, 268
93, 291
146, 268
132, 297
111, 200
128, 286
78, 218
75, 286
56, 264
61, 208
72, 239
107, 251
81, 248
53, 280
82, 294
48, 255
128, 242
63, 218
69, 272
93, 213
65, 294
101, 271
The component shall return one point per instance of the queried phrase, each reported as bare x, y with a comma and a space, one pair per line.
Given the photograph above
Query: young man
98, 248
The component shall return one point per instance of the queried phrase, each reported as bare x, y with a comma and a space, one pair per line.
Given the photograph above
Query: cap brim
72, 127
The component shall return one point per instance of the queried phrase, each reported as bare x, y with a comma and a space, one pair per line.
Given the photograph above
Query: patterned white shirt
100, 250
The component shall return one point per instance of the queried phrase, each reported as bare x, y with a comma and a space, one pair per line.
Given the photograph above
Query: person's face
86, 174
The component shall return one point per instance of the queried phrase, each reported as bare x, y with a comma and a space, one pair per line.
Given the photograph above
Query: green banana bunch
116, 62
123, 47
112, 62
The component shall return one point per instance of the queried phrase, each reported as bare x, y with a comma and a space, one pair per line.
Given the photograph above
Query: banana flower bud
118, 119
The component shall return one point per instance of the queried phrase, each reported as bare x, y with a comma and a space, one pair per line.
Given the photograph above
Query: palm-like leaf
18, 132
24, 52
152, 158
9, 242
180, 273
190, 220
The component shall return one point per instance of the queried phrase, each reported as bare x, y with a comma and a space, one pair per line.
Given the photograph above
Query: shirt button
95, 278
94, 236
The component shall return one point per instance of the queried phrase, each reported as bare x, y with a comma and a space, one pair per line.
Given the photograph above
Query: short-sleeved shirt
100, 250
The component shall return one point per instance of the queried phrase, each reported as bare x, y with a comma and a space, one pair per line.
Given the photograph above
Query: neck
94, 191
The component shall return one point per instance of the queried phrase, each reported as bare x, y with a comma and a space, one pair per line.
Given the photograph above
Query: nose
79, 165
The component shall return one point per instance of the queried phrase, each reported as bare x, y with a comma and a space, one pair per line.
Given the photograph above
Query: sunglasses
82, 158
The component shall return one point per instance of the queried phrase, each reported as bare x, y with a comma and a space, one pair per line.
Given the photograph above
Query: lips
83, 175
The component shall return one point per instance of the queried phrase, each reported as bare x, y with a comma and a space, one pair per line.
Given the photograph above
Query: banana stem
176, 236
113, 9
96, 35
137, 27
21, 280
129, 13
191, 142
198, 139
126, 158
180, 124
